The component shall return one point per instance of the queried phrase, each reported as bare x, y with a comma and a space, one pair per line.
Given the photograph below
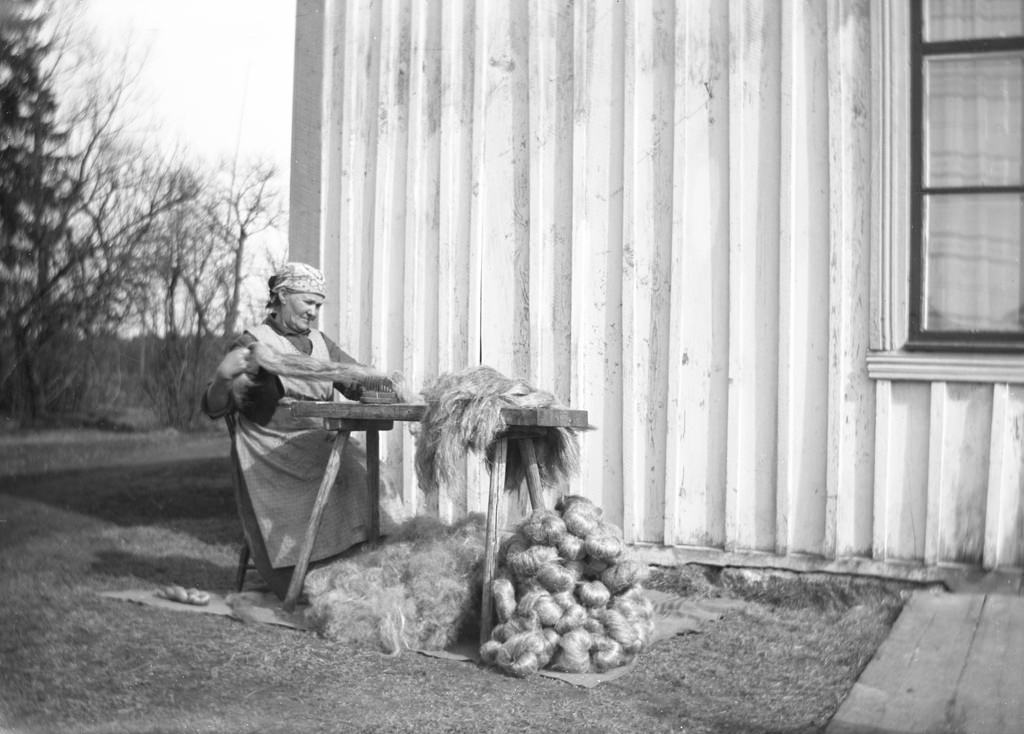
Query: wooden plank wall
949, 477
660, 211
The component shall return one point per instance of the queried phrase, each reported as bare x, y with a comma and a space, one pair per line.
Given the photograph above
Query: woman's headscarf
295, 278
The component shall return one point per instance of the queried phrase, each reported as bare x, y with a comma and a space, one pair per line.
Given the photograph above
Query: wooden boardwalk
952, 664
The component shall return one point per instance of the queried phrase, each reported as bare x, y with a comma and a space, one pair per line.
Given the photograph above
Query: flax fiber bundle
420, 589
578, 611
310, 368
463, 413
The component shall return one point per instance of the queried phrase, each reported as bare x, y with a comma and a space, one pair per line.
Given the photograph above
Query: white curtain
974, 136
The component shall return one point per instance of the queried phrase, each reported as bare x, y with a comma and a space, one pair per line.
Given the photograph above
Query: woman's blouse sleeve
261, 398
351, 389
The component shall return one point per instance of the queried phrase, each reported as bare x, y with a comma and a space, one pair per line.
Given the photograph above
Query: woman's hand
235, 363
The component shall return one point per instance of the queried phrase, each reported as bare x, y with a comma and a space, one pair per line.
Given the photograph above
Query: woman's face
299, 311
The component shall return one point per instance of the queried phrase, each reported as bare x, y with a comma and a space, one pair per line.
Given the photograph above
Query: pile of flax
420, 589
566, 597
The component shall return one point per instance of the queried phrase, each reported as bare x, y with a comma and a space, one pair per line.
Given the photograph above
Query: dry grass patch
72, 661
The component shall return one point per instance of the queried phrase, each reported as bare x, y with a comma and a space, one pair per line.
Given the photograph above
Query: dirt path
49, 451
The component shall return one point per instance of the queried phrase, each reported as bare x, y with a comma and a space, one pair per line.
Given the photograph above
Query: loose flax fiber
463, 414
310, 368
419, 589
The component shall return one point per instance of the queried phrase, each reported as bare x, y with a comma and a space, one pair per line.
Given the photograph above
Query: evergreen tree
34, 193
97, 227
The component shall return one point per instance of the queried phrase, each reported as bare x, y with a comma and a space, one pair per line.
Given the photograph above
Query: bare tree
198, 260
246, 205
102, 236
88, 203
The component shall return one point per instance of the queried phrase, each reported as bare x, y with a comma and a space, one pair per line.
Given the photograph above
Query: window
967, 175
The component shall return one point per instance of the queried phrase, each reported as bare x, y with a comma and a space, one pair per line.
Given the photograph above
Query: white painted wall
668, 214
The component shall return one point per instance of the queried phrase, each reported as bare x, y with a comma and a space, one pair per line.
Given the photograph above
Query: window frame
918, 337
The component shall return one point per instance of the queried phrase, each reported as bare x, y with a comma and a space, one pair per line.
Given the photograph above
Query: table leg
330, 474
529, 454
373, 483
491, 538
243, 566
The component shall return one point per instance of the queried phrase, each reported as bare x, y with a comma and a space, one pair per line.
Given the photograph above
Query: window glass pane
972, 249
973, 120
954, 20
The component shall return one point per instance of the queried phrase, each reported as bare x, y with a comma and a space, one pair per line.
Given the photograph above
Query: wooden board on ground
951, 663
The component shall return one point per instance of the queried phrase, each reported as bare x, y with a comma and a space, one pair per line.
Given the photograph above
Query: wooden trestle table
521, 424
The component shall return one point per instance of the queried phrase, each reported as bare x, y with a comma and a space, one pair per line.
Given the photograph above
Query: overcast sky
218, 72
215, 78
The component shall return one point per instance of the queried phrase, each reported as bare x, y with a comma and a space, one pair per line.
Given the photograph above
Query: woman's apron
283, 464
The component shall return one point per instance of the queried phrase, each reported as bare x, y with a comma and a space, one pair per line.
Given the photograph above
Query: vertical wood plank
753, 289
477, 139
936, 471
390, 193
356, 119
420, 348
306, 175
550, 277
964, 481
454, 196
455, 184
1011, 534
646, 273
390, 200
476, 478
803, 280
885, 487
501, 185
635, 316
905, 449
333, 251
597, 247
997, 475
1004, 512
698, 347
851, 395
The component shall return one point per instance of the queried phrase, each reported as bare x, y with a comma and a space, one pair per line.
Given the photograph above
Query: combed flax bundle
571, 605
463, 413
420, 589
310, 368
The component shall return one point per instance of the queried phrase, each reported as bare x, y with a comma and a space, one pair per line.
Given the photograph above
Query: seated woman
280, 460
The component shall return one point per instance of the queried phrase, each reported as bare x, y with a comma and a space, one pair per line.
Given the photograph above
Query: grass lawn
84, 512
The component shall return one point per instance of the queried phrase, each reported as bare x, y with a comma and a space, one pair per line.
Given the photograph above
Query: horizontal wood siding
660, 211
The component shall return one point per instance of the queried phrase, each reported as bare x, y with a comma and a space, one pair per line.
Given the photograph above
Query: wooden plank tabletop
547, 417
951, 663
358, 411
